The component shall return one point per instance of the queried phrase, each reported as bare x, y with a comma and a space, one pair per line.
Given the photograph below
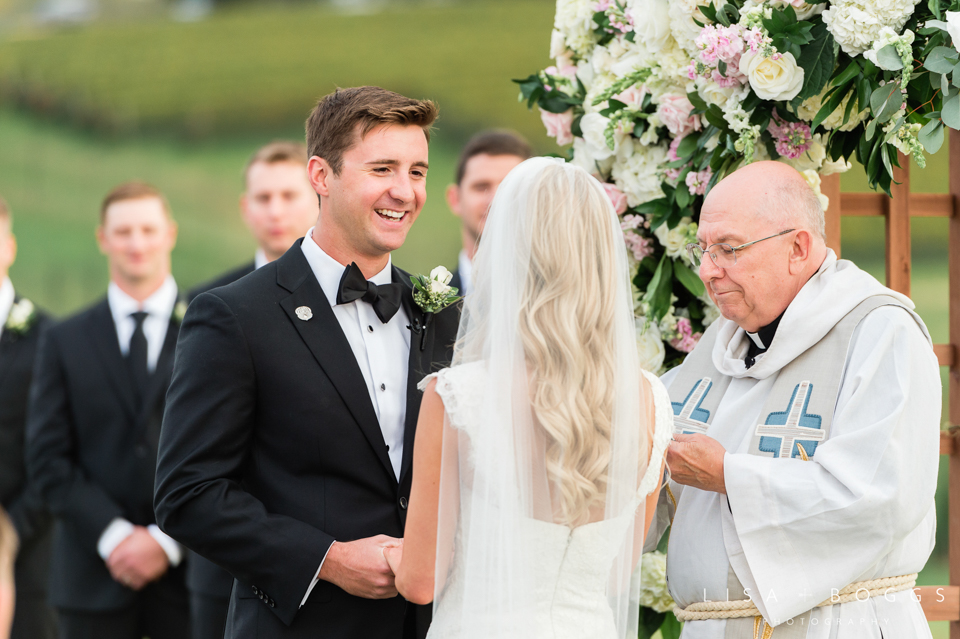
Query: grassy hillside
258, 67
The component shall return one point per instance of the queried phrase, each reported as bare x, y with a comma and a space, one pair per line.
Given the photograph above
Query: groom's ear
319, 172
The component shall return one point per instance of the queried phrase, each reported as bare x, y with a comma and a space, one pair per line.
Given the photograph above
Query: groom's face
379, 192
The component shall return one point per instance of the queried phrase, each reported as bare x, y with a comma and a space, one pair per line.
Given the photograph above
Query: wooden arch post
940, 603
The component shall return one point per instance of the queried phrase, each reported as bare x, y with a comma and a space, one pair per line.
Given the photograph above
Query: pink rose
617, 198
674, 112
562, 70
558, 125
685, 340
632, 96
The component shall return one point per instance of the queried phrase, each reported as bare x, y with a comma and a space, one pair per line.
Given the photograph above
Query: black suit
92, 449
457, 282
34, 618
271, 450
208, 583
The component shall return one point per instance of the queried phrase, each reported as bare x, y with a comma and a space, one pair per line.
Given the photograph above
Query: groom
287, 443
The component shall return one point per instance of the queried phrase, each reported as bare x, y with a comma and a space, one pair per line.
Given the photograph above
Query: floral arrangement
21, 318
433, 292
662, 98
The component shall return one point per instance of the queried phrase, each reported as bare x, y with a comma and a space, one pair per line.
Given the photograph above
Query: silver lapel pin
304, 313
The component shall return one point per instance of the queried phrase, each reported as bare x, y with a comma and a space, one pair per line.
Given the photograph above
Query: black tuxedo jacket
457, 282
222, 280
271, 450
93, 453
21, 498
203, 576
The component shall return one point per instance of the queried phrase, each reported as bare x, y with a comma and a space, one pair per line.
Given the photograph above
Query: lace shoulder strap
458, 387
662, 432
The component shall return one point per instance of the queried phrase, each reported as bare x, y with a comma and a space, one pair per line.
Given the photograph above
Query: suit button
403, 503
255, 591
140, 451
271, 604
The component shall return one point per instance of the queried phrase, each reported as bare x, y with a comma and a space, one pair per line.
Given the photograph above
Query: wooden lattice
898, 210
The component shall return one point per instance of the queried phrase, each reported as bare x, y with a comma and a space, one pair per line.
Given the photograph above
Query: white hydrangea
670, 76
653, 582
830, 167
651, 19
856, 24
574, 20
682, 25
636, 171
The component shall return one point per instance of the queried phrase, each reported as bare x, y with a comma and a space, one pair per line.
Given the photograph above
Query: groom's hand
360, 568
697, 460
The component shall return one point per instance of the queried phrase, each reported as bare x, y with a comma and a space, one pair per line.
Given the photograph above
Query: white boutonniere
22, 316
179, 310
433, 292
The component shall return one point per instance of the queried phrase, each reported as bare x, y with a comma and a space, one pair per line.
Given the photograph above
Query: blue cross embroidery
784, 429
689, 418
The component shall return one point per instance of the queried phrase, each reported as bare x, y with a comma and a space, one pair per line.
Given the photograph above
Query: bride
539, 452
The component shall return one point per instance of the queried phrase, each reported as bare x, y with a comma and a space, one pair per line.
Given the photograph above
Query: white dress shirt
465, 268
260, 259
6, 302
382, 351
159, 309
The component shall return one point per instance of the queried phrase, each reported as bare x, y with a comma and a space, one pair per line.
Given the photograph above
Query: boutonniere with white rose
179, 310
22, 316
433, 293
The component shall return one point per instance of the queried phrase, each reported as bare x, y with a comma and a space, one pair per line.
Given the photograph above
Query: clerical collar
761, 341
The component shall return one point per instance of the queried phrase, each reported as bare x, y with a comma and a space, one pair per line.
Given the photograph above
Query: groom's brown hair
333, 125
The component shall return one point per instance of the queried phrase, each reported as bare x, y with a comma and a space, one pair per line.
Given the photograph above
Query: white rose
830, 167
813, 179
594, 127
438, 288
558, 44
803, 10
771, 79
441, 274
673, 240
953, 27
649, 346
651, 19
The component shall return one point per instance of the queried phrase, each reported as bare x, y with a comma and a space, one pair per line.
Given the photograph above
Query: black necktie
137, 356
385, 298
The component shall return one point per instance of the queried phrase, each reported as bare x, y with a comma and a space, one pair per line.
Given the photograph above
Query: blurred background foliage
181, 93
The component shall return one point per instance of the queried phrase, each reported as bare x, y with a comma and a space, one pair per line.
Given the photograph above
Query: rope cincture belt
746, 608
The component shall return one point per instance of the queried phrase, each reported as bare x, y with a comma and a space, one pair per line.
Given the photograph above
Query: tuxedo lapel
8, 352
325, 339
107, 348
418, 363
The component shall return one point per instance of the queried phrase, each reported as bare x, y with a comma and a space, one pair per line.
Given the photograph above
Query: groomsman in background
484, 162
20, 326
95, 410
279, 206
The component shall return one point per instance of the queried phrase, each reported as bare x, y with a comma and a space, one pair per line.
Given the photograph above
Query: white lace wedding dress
572, 565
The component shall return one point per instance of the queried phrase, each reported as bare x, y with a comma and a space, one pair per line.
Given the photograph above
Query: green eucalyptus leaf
871, 129
941, 60
881, 96
931, 136
885, 156
950, 113
888, 58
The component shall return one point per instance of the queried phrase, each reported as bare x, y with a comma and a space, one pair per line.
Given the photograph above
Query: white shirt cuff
115, 532
316, 577
173, 550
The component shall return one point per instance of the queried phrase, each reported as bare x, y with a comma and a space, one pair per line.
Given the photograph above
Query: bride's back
545, 442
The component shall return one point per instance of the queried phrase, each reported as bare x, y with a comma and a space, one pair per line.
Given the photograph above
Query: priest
806, 432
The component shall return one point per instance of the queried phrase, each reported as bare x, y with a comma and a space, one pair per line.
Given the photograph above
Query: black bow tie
385, 298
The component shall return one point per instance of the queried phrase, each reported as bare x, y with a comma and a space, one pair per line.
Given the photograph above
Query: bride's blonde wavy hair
567, 332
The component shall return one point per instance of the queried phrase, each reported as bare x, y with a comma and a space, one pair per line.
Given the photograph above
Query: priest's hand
697, 460
138, 560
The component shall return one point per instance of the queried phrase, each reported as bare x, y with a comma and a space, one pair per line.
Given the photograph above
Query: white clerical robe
862, 508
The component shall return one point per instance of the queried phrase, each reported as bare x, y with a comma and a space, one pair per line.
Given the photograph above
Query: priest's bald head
771, 202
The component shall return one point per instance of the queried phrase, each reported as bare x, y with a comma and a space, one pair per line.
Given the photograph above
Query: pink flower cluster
719, 44
620, 20
686, 339
697, 181
637, 244
792, 139
673, 174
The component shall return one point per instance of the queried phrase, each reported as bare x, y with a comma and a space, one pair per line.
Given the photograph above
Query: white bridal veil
504, 477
